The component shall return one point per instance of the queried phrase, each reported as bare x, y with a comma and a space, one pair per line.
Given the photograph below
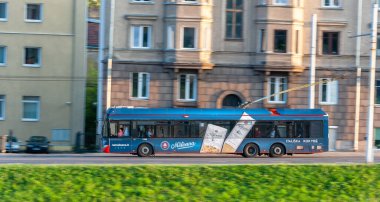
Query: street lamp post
371, 98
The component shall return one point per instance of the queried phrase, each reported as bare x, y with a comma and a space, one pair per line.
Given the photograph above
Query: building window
60, 135
3, 11
297, 41
377, 138
262, 38
33, 12
3, 55
32, 57
377, 92
31, 108
280, 41
328, 91
170, 37
280, 2
262, 2
277, 85
2, 107
378, 44
187, 87
140, 85
331, 3
188, 37
141, 36
330, 43
234, 19
231, 101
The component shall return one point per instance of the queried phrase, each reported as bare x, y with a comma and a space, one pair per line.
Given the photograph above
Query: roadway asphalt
182, 159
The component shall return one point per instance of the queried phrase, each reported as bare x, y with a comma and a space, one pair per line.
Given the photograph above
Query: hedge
190, 183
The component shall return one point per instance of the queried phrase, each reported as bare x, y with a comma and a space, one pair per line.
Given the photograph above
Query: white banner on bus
213, 139
238, 133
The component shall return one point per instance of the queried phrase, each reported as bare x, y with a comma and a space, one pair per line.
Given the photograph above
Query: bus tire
145, 150
250, 150
277, 150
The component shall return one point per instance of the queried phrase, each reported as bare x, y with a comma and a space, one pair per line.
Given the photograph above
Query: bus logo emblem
164, 145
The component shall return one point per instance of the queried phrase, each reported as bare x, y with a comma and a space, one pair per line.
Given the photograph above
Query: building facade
221, 53
43, 69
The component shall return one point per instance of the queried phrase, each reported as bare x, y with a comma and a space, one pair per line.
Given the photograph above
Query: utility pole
110, 54
99, 106
312, 61
358, 75
371, 98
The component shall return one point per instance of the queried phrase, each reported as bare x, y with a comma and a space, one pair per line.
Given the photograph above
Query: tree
91, 97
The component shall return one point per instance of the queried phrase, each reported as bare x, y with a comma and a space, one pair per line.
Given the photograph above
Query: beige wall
60, 79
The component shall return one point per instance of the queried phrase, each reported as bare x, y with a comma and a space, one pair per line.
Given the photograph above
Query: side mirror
27, 141
48, 142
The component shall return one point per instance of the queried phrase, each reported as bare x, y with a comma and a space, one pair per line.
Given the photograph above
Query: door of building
332, 138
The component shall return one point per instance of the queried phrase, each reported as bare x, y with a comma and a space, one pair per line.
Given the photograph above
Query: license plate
36, 149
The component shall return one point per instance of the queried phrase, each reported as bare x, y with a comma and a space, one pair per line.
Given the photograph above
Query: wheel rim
251, 151
277, 150
145, 150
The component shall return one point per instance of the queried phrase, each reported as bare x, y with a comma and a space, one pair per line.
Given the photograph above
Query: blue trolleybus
250, 132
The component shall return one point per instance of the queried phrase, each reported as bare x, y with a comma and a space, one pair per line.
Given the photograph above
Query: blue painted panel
169, 145
208, 114
120, 145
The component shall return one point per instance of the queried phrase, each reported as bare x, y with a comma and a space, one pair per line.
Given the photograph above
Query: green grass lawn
190, 183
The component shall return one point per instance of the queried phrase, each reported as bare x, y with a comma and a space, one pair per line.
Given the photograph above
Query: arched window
231, 101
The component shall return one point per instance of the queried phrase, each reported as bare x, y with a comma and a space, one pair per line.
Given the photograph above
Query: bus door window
162, 129
202, 128
316, 129
302, 129
194, 129
180, 129
105, 129
281, 131
113, 129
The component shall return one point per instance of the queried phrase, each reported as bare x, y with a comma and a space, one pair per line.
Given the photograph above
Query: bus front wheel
250, 150
276, 150
144, 150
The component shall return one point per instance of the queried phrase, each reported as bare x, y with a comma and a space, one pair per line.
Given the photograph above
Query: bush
190, 183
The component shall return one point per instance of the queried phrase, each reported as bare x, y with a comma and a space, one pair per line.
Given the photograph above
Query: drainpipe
358, 76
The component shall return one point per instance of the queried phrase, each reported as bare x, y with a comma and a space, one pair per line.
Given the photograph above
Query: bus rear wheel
250, 150
145, 150
276, 150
